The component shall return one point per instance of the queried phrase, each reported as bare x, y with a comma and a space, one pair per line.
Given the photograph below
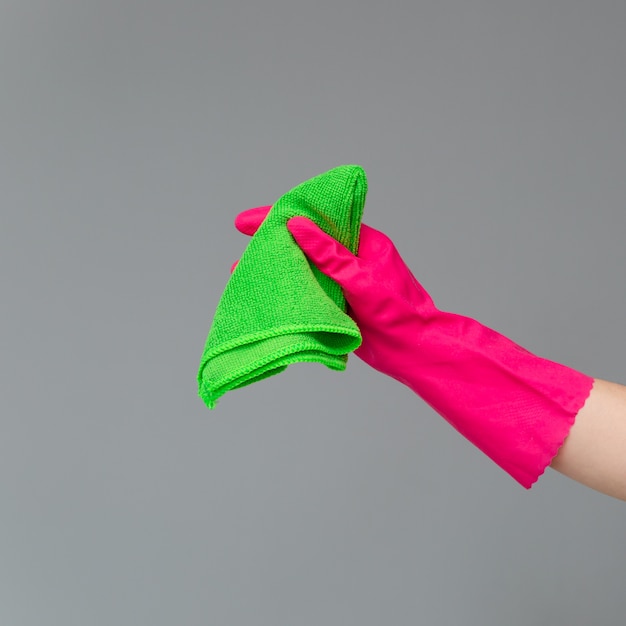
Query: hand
516, 407
378, 286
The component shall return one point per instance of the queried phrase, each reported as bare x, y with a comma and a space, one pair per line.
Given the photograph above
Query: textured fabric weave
277, 309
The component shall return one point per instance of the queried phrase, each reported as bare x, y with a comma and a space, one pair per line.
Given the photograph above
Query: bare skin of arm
594, 452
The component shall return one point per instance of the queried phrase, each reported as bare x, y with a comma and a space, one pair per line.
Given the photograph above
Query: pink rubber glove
516, 407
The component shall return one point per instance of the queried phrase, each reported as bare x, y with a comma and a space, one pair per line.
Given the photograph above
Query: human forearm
594, 452
523, 411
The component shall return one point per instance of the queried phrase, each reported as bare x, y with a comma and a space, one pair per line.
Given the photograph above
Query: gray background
131, 133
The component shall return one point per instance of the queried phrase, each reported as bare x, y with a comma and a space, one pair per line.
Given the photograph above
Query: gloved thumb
325, 252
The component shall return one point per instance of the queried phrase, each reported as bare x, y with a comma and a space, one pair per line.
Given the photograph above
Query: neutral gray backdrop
131, 133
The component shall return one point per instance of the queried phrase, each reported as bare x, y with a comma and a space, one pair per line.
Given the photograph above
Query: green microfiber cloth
277, 308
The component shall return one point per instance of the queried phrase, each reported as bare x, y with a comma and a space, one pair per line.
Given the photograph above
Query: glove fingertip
248, 222
303, 228
330, 257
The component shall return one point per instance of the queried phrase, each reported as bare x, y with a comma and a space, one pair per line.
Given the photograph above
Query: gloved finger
248, 222
326, 253
373, 244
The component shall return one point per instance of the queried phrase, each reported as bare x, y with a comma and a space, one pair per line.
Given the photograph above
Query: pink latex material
516, 407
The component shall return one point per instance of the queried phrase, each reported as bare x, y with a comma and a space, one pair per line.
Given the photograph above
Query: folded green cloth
277, 308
